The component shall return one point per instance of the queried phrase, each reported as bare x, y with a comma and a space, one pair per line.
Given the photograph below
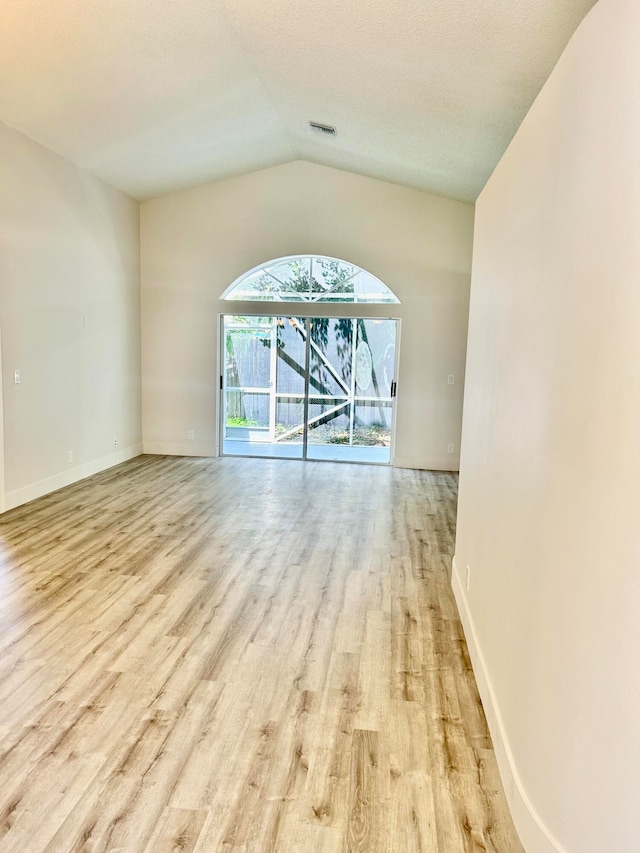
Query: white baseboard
534, 835
430, 463
67, 477
179, 448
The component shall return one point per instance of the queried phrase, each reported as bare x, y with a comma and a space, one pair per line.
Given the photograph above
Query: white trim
219, 397
428, 463
3, 502
179, 448
68, 477
535, 836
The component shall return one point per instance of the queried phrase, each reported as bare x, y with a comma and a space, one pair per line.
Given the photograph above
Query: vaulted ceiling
155, 95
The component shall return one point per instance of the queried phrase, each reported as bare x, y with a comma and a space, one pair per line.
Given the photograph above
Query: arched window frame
326, 280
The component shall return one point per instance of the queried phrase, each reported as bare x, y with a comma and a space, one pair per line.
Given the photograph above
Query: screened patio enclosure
309, 387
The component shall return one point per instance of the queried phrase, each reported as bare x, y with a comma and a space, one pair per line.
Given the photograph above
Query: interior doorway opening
320, 388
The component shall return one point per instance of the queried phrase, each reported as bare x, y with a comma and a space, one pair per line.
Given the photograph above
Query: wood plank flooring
240, 655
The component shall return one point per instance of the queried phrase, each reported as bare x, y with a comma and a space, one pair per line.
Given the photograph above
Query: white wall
549, 512
69, 248
195, 243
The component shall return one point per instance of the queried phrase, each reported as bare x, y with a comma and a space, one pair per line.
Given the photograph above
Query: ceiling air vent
327, 129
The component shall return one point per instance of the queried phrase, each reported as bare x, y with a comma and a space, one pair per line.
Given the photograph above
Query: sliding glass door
310, 388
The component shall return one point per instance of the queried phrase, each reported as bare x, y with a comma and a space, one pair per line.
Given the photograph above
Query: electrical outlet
115, 442
71, 456
16, 377
450, 448
191, 435
468, 577
451, 379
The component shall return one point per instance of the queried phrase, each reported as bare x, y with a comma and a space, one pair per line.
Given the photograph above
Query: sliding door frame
293, 309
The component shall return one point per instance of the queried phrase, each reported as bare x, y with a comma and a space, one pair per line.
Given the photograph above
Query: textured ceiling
154, 95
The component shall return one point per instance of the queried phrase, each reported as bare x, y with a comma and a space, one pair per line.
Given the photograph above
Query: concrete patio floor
318, 452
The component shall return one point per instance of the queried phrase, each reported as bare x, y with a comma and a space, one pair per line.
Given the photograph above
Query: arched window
309, 278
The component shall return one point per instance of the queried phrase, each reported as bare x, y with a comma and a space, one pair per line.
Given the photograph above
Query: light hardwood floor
240, 655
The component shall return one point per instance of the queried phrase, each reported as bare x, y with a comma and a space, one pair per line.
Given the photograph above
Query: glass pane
351, 364
375, 369
370, 289
359, 431
292, 353
248, 345
290, 387
289, 427
247, 416
332, 280
372, 424
293, 276
375, 357
307, 278
330, 356
248, 356
329, 420
256, 286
